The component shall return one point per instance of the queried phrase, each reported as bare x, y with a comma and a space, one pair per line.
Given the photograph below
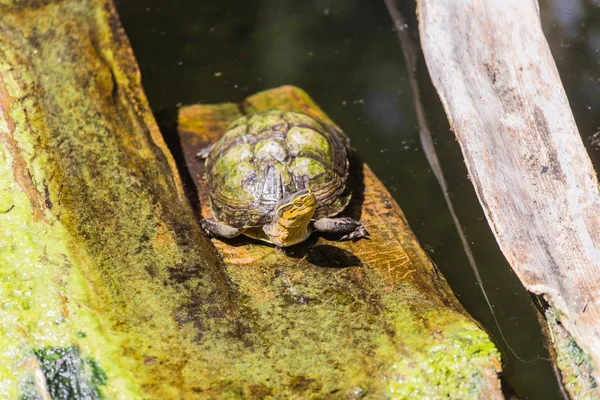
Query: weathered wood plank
495, 75
383, 303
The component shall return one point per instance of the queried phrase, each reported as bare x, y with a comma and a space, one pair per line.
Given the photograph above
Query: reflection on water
573, 31
346, 55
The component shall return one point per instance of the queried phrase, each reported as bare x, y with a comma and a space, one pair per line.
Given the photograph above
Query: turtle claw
204, 227
213, 228
204, 152
359, 233
353, 229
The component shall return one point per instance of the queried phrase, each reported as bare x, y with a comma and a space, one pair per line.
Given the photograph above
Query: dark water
573, 31
345, 54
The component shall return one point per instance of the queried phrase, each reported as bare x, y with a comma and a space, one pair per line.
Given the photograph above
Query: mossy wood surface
342, 319
106, 283
109, 290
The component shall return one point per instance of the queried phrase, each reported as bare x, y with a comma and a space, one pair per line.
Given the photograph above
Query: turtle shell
266, 156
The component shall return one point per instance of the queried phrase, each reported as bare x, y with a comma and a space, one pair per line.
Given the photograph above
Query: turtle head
292, 217
295, 211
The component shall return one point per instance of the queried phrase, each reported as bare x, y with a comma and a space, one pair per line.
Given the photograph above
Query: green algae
37, 275
341, 320
575, 366
100, 251
90, 236
450, 363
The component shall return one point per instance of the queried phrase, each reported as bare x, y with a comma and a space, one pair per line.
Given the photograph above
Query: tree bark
495, 75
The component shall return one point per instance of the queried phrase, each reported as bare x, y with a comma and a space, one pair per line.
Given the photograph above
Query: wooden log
105, 278
108, 288
496, 78
376, 307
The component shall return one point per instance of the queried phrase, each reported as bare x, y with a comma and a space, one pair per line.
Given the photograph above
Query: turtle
279, 176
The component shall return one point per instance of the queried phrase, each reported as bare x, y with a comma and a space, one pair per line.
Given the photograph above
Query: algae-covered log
99, 250
108, 288
371, 316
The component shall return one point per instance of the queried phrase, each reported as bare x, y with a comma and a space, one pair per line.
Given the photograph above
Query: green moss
79, 224
43, 295
449, 366
305, 166
96, 238
309, 141
575, 366
259, 122
342, 320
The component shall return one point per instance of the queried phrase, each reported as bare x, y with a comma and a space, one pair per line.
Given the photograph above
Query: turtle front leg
213, 228
353, 229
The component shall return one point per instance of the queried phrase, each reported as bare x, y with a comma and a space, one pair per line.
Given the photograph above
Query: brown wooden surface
387, 304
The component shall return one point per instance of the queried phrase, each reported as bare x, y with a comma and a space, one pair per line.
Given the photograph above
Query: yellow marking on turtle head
292, 218
299, 208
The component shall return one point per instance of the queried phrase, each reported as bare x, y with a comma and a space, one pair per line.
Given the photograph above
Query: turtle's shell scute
266, 156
